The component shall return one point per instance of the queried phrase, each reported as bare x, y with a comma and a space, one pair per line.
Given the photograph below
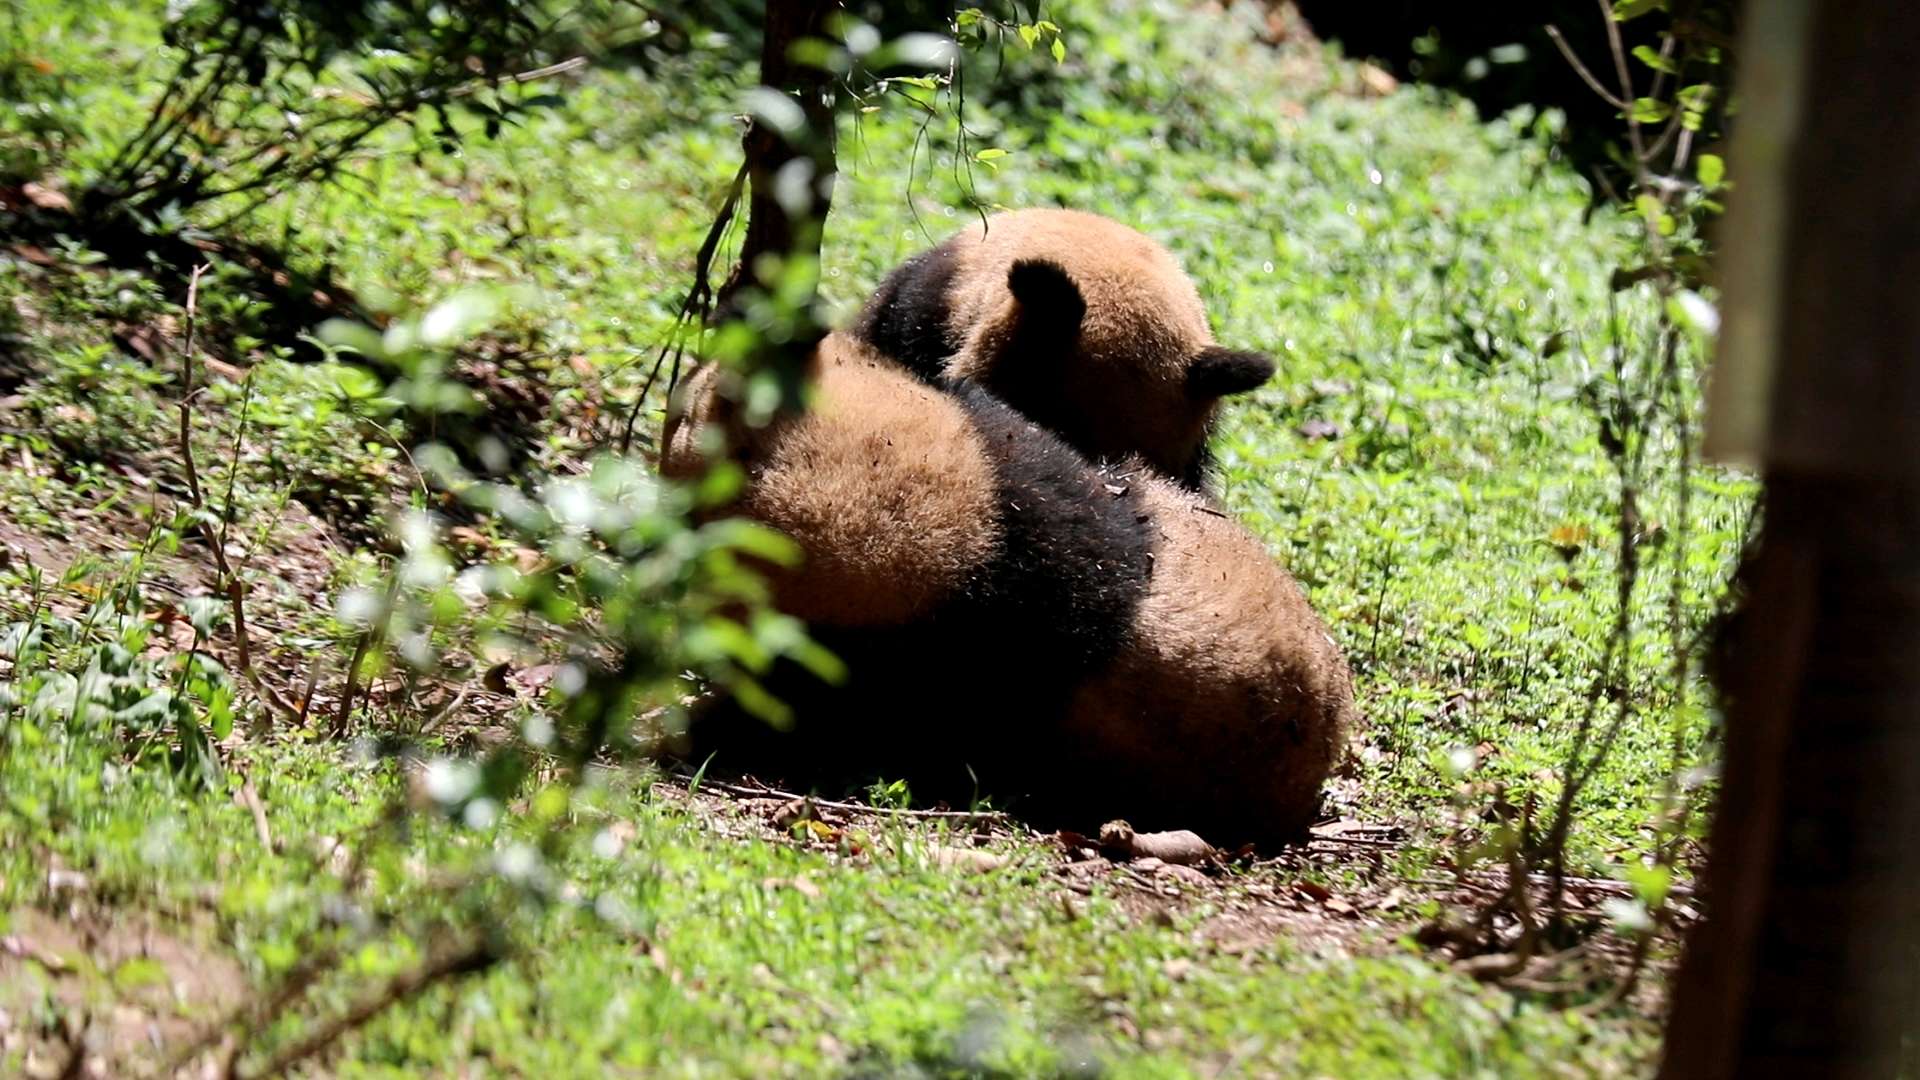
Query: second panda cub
1091, 643
1080, 323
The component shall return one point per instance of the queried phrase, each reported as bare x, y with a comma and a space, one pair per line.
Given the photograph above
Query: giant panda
1086, 641
1079, 322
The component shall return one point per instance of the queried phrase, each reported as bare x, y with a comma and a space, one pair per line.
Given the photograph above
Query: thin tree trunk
771, 227
1808, 965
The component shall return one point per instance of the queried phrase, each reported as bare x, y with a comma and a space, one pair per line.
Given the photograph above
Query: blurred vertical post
790, 143
1808, 964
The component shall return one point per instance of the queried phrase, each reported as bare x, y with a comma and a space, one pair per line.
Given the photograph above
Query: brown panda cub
1080, 642
1077, 321
1227, 673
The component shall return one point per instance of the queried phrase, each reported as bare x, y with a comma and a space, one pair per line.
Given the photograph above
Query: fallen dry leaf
1377, 81
947, 858
798, 884
46, 198
61, 880
534, 679
793, 812
1317, 891
1186, 874
1490, 966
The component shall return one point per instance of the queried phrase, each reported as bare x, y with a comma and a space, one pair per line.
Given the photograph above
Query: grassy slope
1364, 240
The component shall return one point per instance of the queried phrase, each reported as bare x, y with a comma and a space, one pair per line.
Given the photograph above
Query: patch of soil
291, 571
1246, 906
98, 994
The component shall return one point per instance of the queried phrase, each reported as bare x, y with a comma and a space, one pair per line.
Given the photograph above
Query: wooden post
1808, 964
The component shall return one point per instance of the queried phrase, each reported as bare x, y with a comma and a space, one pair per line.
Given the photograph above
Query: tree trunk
1809, 961
791, 228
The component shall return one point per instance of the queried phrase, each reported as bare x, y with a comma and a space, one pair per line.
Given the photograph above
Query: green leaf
138, 972
1059, 51
1651, 884
1633, 9
1648, 110
1029, 34
1646, 55
352, 381
1696, 97
459, 317
1711, 170
154, 707
754, 698
989, 154
1628, 915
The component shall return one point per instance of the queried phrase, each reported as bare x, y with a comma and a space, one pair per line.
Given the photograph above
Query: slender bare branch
560, 68
1627, 95
462, 961
1573, 58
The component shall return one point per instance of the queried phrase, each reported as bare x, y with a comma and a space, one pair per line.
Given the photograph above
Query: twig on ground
313, 681
186, 382
230, 583
1353, 841
251, 798
433, 723
360, 647
764, 792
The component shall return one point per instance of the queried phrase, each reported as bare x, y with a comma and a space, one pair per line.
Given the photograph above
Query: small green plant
265, 98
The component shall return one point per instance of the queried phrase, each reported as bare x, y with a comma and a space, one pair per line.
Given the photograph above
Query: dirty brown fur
1211, 698
1079, 322
1230, 704
883, 483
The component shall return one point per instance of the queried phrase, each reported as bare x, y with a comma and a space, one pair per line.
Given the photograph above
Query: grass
1425, 464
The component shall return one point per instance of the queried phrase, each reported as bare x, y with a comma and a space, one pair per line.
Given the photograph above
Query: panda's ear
1051, 306
1217, 372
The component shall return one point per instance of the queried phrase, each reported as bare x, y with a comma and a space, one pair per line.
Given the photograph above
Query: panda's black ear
1217, 372
1050, 303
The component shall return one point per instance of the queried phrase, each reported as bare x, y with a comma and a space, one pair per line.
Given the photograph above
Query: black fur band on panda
907, 318
1077, 548
1217, 372
967, 700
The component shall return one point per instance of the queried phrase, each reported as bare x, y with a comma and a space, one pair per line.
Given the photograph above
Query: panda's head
1092, 330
